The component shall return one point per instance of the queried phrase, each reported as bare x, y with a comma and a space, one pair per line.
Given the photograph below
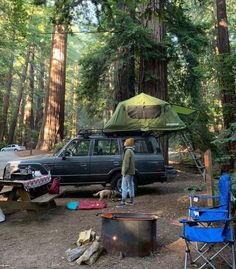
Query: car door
148, 162
105, 158
75, 162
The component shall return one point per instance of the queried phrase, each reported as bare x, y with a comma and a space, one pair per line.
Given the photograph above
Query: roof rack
88, 132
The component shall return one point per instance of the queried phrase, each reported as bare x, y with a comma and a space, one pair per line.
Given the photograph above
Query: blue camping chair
216, 213
208, 233
206, 244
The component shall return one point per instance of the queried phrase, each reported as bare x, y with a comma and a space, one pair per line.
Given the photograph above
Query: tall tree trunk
6, 98
40, 98
52, 130
153, 70
225, 74
19, 98
29, 114
125, 81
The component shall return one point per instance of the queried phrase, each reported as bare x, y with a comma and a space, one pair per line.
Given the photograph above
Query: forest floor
33, 240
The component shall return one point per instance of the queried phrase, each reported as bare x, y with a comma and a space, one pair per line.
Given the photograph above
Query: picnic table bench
18, 194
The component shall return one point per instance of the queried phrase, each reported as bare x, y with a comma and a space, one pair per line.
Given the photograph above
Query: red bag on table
55, 187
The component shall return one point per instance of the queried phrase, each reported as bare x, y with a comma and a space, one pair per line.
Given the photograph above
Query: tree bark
153, 77
29, 114
52, 130
40, 98
6, 98
153, 67
19, 98
226, 75
125, 81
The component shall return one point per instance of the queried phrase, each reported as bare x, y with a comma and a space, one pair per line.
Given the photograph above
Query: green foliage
57, 147
2, 144
113, 36
225, 137
130, 39
196, 188
234, 183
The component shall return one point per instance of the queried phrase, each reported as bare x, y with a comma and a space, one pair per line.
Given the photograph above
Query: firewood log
85, 237
88, 253
73, 254
94, 256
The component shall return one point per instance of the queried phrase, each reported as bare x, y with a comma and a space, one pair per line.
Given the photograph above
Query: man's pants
127, 186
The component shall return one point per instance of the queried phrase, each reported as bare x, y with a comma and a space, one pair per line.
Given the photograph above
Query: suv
94, 158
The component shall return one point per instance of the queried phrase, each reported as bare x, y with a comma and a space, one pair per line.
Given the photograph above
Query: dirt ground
33, 240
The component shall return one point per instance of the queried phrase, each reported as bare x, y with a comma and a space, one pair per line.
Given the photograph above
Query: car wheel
116, 183
15, 149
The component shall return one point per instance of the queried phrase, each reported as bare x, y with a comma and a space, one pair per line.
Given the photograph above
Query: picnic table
32, 194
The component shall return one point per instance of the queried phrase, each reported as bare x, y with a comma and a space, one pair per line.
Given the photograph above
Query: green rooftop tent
144, 113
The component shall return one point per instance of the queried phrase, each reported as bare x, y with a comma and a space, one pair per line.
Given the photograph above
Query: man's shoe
129, 203
121, 204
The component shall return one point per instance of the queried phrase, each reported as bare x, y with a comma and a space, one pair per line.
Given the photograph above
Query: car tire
116, 183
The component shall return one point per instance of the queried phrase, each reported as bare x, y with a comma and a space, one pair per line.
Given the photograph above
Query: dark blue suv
94, 158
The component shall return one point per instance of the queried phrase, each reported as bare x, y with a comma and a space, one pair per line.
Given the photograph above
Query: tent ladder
197, 160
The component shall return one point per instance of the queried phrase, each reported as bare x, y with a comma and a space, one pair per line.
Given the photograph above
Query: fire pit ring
129, 234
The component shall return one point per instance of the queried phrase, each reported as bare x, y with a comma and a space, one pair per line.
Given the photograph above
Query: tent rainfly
144, 113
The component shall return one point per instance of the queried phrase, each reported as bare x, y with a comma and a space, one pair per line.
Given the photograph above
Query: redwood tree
153, 67
19, 98
225, 74
53, 122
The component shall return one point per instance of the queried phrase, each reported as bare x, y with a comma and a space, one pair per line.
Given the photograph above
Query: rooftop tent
144, 113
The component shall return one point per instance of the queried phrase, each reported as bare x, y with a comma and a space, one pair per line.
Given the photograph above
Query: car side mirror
63, 155
66, 153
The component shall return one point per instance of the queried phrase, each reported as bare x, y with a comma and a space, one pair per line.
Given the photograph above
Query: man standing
128, 172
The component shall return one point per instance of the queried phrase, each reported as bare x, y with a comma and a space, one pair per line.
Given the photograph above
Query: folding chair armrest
197, 198
189, 222
214, 220
212, 209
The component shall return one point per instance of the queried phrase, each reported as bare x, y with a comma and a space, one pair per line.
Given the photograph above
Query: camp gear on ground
55, 187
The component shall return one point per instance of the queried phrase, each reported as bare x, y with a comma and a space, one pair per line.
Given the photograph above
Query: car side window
114, 147
105, 147
78, 148
143, 146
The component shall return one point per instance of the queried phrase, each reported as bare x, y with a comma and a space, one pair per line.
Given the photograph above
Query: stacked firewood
88, 249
